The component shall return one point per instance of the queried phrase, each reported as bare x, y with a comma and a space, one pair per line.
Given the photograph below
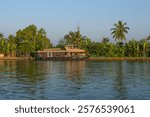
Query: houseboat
1, 55
70, 52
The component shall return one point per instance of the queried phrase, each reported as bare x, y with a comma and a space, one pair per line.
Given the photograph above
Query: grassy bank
90, 58
119, 58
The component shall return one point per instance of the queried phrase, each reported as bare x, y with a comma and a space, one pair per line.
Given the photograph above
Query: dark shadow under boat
62, 58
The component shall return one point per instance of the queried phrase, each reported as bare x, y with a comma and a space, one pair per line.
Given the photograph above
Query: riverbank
119, 58
90, 58
16, 58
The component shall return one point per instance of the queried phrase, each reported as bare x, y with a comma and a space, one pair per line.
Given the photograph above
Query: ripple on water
74, 80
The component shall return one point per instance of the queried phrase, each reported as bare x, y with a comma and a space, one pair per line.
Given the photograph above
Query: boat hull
62, 58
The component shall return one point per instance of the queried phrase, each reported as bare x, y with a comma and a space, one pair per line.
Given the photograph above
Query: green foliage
3, 46
61, 44
26, 42
132, 48
119, 31
29, 40
74, 38
105, 40
105, 48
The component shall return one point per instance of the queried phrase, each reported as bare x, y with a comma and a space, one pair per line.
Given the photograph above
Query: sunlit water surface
74, 80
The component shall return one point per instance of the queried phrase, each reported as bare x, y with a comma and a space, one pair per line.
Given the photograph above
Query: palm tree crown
119, 31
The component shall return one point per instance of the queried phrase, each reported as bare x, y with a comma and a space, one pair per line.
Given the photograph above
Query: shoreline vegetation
28, 41
90, 58
16, 58
119, 59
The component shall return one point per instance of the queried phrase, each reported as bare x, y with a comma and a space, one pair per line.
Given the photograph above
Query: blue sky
58, 17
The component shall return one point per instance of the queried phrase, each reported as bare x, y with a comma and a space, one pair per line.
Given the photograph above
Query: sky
59, 17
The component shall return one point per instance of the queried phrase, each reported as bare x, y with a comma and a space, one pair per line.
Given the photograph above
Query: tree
30, 40
11, 45
119, 31
4, 46
61, 44
105, 40
25, 40
74, 38
144, 46
132, 48
41, 40
1, 35
148, 38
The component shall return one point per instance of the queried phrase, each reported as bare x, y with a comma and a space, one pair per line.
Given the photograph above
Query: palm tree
144, 44
105, 40
12, 45
74, 38
4, 46
119, 31
132, 48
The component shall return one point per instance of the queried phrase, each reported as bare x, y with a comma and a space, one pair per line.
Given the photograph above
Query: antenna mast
78, 26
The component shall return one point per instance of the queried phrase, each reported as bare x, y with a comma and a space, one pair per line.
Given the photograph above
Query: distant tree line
105, 48
29, 40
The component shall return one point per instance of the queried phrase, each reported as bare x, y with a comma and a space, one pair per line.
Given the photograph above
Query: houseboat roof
75, 50
51, 50
58, 50
71, 50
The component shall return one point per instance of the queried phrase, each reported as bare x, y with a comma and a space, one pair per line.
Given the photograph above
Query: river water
44, 80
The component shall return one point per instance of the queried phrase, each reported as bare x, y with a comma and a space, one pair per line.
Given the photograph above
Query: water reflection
119, 85
74, 80
75, 69
26, 77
